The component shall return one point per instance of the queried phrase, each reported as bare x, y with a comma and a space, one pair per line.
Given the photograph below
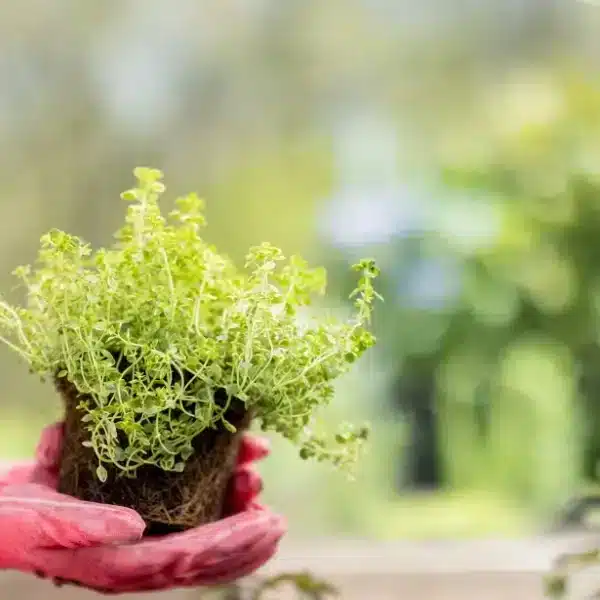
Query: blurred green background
457, 142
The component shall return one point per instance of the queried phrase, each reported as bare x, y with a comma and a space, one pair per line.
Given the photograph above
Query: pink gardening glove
99, 546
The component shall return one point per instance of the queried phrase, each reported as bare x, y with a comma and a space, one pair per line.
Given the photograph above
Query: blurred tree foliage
498, 360
526, 328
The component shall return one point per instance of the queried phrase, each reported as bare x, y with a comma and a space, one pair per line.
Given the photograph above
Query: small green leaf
129, 195
215, 371
111, 429
229, 426
305, 453
101, 473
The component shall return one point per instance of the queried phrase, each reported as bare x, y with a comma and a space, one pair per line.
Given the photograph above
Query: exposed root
167, 501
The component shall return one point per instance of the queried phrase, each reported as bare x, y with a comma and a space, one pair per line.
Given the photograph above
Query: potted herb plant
164, 352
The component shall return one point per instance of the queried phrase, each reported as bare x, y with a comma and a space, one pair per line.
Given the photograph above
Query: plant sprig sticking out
150, 328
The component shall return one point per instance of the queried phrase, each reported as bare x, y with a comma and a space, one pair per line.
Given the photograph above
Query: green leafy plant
306, 585
150, 328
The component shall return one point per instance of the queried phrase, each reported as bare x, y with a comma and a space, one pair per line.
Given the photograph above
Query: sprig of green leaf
185, 322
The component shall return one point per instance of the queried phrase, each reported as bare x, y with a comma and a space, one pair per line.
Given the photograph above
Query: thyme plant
150, 328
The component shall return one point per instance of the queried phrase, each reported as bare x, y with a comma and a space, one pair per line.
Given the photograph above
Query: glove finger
47, 461
242, 564
246, 536
44, 477
15, 473
253, 448
33, 516
244, 487
28, 472
248, 565
165, 562
47, 453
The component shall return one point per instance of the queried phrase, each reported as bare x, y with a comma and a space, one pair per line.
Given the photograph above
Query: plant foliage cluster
150, 328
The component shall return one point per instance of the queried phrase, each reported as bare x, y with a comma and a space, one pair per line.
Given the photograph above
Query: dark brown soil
167, 501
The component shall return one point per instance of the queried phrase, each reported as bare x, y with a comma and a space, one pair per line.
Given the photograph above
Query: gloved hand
99, 546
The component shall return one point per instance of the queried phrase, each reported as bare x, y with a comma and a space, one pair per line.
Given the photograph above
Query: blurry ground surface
490, 569
449, 587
